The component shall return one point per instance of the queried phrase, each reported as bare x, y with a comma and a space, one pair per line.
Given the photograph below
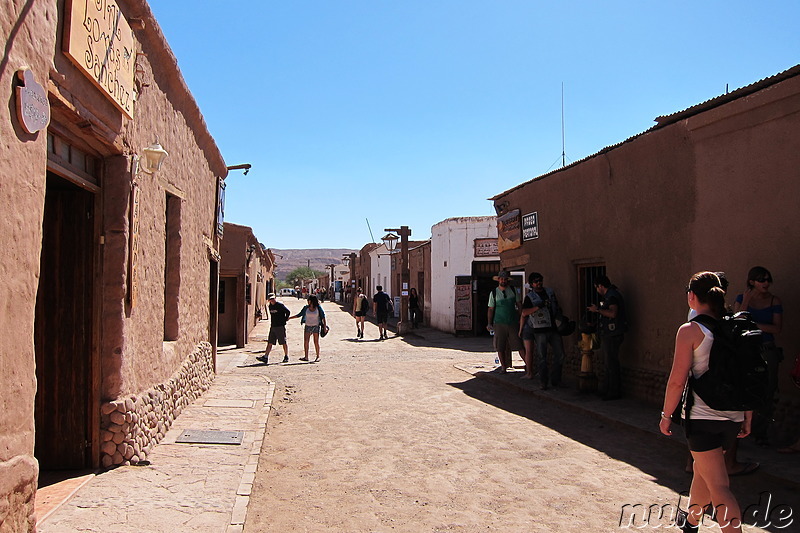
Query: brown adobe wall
27, 29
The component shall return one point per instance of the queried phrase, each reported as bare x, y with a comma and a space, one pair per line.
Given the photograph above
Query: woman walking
710, 433
414, 308
360, 308
313, 317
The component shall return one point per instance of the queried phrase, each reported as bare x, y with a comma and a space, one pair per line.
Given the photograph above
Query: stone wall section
17, 488
132, 425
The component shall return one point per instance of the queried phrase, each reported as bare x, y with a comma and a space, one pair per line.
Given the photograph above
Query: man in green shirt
503, 314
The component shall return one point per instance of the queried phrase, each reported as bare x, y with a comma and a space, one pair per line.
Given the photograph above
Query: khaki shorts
507, 336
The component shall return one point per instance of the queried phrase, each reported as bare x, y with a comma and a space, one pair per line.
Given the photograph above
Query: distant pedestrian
414, 308
613, 325
278, 315
503, 316
360, 312
381, 303
313, 317
540, 310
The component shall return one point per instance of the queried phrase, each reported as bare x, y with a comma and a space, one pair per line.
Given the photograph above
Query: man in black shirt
381, 303
278, 314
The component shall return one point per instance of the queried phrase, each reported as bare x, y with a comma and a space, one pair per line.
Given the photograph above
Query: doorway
63, 328
227, 310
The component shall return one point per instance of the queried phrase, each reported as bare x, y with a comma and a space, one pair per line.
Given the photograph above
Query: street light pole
405, 277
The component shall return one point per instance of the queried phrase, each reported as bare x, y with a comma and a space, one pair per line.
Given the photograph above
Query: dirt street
389, 436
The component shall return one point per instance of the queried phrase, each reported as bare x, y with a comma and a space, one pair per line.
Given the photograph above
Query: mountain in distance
288, 260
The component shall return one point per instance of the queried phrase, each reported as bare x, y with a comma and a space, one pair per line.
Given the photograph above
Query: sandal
304, 358
747, 468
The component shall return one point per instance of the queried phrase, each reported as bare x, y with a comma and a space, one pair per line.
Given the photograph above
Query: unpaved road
389, 436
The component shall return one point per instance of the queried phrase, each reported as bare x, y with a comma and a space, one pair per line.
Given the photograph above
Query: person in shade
278, 315
503, 320
613, 325
381, 303
360, 312
710, 433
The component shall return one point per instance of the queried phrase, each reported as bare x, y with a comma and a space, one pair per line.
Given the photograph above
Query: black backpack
737, 375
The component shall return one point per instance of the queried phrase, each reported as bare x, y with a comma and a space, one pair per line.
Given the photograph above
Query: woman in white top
709, 432
313, 317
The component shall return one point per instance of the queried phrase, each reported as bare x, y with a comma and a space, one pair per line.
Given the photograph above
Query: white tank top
312, 317
701, 411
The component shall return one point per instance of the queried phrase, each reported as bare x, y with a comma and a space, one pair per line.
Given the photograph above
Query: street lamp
405, 277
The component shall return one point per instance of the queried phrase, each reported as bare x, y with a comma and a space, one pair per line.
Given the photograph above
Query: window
587, 274
172, 266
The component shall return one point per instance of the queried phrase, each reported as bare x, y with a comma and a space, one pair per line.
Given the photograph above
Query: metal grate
212, 436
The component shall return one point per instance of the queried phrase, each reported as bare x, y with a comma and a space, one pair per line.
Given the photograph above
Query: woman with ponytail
709, 432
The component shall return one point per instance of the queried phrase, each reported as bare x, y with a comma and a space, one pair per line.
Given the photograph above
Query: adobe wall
27, 29
631, 208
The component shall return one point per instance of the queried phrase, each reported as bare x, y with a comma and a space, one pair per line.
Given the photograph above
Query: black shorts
706, 435
382, 318
361, 313
277, 335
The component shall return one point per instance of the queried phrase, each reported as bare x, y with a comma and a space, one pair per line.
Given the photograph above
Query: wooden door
63, 327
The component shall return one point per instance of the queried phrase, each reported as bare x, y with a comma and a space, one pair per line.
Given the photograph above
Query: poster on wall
463, 303
508, 231
530, 226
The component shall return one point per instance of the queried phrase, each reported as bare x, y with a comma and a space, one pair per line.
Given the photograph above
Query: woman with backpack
709, 432
313, 317
767, 312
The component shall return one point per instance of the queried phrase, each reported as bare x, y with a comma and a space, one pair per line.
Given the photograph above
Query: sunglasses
763, 280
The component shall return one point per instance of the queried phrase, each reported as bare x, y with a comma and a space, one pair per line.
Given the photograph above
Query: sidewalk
186, 487
633, 415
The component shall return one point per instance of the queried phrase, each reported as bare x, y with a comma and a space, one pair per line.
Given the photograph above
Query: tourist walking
709, 432
360, 312
414, 308
503, 320
539, 311
278, 315
612, 327
313, 316
381, 304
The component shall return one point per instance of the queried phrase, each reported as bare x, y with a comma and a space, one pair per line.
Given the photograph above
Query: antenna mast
563, 143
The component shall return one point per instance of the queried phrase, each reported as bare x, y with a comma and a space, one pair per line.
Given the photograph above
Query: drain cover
210, 436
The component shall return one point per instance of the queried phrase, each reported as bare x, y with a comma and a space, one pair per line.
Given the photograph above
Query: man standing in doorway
278, 315
503, 318
541, 310
381, 303
612, 327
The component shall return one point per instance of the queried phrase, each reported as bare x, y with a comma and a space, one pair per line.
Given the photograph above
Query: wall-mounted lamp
501, 208
154, 156
246, 167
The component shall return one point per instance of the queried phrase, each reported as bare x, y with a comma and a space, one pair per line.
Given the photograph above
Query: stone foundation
131, 426
18, 478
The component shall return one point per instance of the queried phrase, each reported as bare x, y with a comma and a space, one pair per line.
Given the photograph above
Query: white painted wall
381, 271
452, 254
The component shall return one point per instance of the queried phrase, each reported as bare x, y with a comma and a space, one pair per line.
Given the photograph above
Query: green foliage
298, 274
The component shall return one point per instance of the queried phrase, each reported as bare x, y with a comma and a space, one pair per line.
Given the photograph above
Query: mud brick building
712, 187
110, 266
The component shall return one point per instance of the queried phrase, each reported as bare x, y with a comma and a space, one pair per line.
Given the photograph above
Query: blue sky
408, 112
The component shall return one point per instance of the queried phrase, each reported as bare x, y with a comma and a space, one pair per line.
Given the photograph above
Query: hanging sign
33, 107
100, 42
508, 231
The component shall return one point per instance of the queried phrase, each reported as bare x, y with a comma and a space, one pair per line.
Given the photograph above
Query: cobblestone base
131, 426
17, 488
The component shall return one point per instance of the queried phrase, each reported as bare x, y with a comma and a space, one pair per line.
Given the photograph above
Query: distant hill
288, 260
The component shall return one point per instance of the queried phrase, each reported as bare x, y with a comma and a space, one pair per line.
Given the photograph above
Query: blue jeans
553, 339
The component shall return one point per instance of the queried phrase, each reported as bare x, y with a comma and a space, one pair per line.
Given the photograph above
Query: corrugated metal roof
666, 120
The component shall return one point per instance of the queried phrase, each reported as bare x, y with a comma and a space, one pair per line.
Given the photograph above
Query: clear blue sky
408, 112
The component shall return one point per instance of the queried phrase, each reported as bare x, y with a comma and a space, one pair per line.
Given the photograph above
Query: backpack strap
707, 321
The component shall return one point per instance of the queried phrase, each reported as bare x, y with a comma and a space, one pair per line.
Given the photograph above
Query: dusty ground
389, 436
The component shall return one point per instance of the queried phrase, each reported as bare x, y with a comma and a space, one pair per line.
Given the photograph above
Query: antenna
563, 138
373, 239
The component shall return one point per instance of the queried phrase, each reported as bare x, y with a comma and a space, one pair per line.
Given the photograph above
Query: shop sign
530, 226
463, 303
486, 248
100, 42
33, 107
508, 231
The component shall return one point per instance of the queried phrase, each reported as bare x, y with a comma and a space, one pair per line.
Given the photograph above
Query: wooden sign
463, 304
33, 107
486, 247
99, 41
133, 245
509, 236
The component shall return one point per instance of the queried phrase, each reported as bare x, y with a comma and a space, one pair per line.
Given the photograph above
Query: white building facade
464, 259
